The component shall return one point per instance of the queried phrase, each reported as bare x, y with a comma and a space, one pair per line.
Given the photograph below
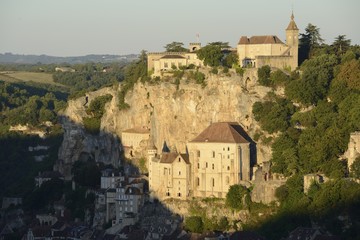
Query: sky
82, 27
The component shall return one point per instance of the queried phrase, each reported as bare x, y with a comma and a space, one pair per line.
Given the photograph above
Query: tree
313, 35
341, 44
308, 41
231, 59
211, 55
355, 168
264, 75
235, 195
175, 47
194, 224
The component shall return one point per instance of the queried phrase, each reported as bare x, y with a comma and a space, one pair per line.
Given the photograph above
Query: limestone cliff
173, 115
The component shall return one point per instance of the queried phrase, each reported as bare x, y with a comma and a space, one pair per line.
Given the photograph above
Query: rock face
80, 145
172, 115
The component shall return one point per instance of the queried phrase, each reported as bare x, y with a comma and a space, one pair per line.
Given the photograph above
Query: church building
216, 159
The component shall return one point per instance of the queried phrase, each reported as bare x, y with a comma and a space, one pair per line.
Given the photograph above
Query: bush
234, 198
240, 71
214, 70
194, 224
264, 75
92, 125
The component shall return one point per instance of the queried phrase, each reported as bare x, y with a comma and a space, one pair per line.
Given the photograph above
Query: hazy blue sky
80, 27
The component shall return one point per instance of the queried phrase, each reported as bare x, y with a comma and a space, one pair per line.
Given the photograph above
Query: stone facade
217, 158
258, 51
169, 175
353, 150
162, 62
134, 140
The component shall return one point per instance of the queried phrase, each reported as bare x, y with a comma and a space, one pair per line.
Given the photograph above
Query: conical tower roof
292, 24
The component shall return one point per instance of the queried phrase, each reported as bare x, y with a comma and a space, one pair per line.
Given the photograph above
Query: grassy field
28, 76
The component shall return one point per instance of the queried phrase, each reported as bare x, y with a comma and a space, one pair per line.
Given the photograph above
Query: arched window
197, 181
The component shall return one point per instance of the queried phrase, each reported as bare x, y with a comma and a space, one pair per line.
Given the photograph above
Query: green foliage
264, 75
279, 78
21, 104
223, 224
199, 77
240, 71
235, 196
315, 81
231, 59
97, 106
92, 125
214, 70
273, 116
142, 165
17, 165
355, 168
175, 47
211, 55
194, 224
133, 72
88, 77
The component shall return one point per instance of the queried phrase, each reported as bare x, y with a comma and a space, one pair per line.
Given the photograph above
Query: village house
162, 62
217, 158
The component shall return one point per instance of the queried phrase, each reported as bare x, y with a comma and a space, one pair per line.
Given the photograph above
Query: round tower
292, 40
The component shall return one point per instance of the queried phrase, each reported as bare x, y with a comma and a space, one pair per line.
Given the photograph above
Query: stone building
258, 51
353, 150
169, 175
134, 140
217, 158
162, 62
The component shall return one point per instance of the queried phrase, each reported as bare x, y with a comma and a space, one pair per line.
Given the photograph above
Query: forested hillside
313, 122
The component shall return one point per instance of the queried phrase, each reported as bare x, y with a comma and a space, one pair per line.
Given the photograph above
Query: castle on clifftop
256, 51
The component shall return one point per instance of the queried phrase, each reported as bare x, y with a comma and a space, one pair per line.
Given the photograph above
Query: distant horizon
79, 28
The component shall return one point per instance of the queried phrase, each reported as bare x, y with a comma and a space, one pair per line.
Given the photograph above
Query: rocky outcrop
175, 115
79, 145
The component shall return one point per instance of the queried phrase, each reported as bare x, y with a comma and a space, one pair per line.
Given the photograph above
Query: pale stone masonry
217, 158
258, 51
162, 62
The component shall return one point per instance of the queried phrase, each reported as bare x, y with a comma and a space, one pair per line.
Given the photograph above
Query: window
206, 164
213, 182
166, 65
179, 159
228, 168
198, 153
197, 181
198, 164
228, 148
179, 194
213, 167
213, 154
179, 173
